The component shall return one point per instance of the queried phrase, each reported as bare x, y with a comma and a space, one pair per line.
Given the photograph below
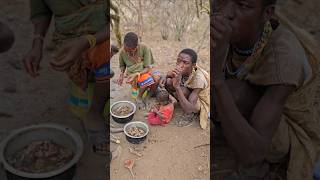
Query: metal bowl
125, 118
134, 139
57, 133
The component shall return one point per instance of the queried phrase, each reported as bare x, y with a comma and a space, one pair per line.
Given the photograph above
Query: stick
115, 140
201, 145
116, 130
113, 136
134, 152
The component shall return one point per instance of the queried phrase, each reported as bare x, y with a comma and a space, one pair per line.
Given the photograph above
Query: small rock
200, 168
203, 154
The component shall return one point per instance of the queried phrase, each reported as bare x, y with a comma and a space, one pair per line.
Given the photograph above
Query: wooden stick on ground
201, 145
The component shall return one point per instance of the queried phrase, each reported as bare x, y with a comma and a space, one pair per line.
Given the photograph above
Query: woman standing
81, 34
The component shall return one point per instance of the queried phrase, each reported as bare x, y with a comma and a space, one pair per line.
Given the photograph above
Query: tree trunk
115, 18
197, 8
140, 21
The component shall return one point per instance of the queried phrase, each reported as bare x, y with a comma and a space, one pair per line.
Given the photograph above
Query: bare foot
96, 133
185, 120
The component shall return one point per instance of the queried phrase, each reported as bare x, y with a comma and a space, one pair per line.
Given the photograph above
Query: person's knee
186, 91
6, 38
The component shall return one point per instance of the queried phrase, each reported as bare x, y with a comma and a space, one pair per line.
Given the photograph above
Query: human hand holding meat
68, 53
120, 79
177, 76
132, 77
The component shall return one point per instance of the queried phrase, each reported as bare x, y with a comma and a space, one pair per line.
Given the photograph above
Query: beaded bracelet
91, 39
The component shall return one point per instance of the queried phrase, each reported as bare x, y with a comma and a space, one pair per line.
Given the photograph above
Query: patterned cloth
92, 61
250, 61
199, 79
80, 100
73, 19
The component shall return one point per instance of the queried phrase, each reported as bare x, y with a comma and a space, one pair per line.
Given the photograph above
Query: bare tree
115, 22
182, 19
140, 21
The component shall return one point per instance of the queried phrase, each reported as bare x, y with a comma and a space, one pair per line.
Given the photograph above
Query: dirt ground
25, 101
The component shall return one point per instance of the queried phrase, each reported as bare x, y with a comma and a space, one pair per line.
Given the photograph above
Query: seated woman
135, 62
189, 84
82, 39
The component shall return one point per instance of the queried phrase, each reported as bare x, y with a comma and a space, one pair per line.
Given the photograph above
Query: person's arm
172, 99
145, 70
160, 115
170, 74
250, 140
122, 66
147, 62
40, 17
40, 30
64, 58
188, 105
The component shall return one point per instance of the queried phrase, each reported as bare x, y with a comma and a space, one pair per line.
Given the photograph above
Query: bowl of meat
122, 111
136, 132
43, 152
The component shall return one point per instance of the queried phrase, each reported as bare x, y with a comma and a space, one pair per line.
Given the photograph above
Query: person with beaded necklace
190, 85
264, 92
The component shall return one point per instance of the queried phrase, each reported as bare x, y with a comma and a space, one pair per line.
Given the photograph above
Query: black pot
133, 139
122, 119
47, 131
66, 175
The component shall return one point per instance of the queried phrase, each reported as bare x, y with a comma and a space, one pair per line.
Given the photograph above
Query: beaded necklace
252, 60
